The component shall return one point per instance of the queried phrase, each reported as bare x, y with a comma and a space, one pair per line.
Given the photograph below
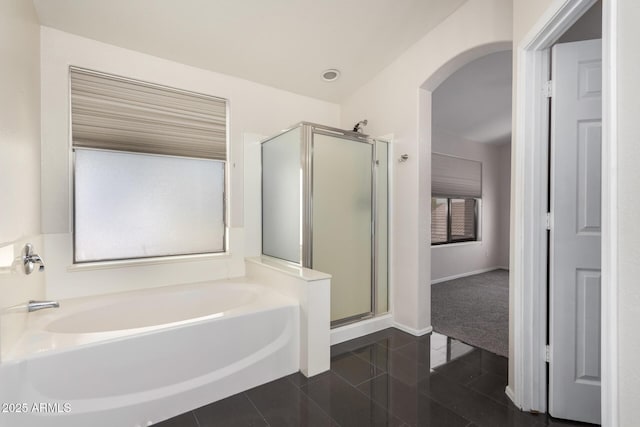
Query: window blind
439, 220
463, 219
114, 113
454, 176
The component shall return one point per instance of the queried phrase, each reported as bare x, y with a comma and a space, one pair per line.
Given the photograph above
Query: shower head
358, 127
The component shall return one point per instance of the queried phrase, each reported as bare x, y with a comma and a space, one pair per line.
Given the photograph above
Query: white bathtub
136, 358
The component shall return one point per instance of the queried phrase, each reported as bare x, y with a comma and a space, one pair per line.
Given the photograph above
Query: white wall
628, 179
394, 103
504, 210
253, 108
458, 259
19, 162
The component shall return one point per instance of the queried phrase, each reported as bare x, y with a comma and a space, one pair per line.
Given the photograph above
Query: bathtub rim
269, 299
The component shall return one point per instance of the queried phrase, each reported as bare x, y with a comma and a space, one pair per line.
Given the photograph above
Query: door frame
528, 384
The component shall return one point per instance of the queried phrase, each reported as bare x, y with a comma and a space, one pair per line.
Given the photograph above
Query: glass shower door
281, 198
342, 243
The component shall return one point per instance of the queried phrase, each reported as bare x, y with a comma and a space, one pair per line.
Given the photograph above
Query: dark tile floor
388, 378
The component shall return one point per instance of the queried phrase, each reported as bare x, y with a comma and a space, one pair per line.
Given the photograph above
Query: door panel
588, 326
589, 149
574, 291
342, 243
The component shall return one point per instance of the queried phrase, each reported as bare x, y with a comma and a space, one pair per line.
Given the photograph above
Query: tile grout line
407, 344
195, 417
363, 394
468, 385
470, 364
369, 398
385, 371
318, 405
364, 360
444, 404
292, 383
256, 408
309, 381
344, 379
369, 379
418, 391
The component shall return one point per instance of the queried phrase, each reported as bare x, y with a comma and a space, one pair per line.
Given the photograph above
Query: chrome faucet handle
29, 259
37, 260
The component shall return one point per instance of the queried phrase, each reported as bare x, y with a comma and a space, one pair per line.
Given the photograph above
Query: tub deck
140, 357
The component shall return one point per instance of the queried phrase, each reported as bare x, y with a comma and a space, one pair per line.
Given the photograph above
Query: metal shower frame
306, 164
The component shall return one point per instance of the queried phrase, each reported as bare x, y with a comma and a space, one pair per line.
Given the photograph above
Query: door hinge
548, 221
548, 89
547, 353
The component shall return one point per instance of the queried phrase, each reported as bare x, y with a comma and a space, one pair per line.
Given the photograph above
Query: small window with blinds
439, 220
149, 169
455, 194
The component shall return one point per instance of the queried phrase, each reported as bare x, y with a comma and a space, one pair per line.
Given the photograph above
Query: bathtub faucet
39, 305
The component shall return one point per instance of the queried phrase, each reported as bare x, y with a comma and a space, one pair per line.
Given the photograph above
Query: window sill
101, 265
449, 245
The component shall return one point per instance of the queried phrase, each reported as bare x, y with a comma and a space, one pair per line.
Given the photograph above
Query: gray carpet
474, 309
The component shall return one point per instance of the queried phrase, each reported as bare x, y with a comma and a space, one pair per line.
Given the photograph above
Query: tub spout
39, 305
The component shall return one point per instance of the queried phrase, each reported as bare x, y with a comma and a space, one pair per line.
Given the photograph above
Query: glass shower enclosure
324, 206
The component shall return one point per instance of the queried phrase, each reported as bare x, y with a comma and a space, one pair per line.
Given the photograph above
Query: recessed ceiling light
330, 75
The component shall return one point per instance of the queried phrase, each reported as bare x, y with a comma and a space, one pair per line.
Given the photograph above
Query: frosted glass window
130, 205
281, 181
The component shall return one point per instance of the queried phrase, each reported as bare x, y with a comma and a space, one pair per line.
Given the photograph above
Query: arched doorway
470, 200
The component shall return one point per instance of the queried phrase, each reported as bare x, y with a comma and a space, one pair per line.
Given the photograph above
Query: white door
574, 288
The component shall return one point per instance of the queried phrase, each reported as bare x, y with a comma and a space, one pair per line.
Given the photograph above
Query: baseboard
511, 395
358, 329
470, 273
412, 331
502, 267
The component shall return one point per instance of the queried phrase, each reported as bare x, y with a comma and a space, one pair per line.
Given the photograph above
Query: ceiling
282, 43
475, 101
